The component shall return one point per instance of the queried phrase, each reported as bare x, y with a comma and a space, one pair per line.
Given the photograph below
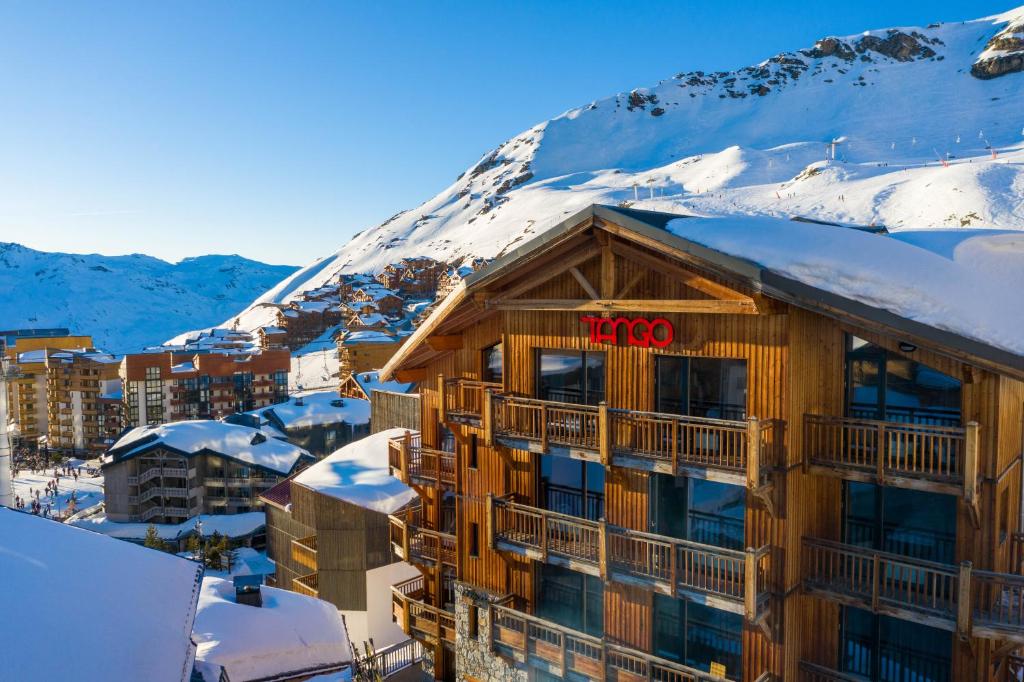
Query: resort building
83, 390
673, 448
174, 385
327, 533
171, 472
365, 350
320, 422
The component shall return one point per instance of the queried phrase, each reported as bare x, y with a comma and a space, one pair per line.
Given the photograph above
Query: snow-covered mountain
125, 302
908, 128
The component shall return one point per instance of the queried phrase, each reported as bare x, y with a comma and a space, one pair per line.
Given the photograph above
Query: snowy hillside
125, 302
926, 122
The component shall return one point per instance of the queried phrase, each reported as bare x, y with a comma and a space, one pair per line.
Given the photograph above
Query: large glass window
701, 387
567, 376
913, 523
696, 509
885, 385
892, 650
570, 598
697, 635
492, 363
572, 486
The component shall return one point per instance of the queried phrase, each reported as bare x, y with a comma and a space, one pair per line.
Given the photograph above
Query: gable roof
752, 252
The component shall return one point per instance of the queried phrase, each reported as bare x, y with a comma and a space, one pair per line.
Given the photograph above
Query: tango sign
639, 331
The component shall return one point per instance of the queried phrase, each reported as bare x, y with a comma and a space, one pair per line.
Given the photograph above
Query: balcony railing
737, 581
535, 642
419, 545
960, 599
463, 399
812, 672
304, 552
413, 463
923, 456
418, 619
733, 451
308, 585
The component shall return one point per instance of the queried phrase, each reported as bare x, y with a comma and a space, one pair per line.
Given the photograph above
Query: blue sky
278, 130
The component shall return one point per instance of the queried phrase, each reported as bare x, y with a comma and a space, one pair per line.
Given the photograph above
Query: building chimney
247, 590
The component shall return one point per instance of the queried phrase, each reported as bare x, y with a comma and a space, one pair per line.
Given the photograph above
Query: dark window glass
572, 486
715, 388
697, 635
893, 650
570, 377
474, 539
913, 523
572, 599
492, 365
696, 509
473, 452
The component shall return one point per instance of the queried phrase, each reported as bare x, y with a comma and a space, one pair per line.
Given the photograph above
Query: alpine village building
645, 459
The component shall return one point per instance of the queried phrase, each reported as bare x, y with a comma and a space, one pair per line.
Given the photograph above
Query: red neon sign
640, 331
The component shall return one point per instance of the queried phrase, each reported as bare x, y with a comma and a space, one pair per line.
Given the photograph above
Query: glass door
566, 376
715, 388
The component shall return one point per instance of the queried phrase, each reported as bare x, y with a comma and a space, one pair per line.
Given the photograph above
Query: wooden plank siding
795, 366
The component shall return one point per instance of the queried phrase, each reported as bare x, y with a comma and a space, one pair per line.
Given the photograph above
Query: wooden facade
793, 451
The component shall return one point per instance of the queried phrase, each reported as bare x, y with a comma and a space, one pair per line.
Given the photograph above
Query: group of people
41, 501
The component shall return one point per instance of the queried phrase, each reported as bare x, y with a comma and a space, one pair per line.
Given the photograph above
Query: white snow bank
289, 633
370, 382
964, 281
90, 608
319, 407
358, 473
242, 443
231, 525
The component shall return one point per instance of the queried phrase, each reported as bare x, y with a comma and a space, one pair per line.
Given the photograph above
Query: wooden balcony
941, 459
307, 585
464, 399
417, 618
740, 452
735, 581
414, 464
534, 642
304, 552
959, 599
419, 545
812, 672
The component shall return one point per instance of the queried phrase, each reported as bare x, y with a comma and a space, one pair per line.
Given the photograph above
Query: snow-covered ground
914, 137
231, 525
88, 489
313, 370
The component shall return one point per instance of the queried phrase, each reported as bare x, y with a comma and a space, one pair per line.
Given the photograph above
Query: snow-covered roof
270, 329
90, 608
966, 281
370, 381
368, 336
359, 474
231, 525
241, 443
290, 633
318, 407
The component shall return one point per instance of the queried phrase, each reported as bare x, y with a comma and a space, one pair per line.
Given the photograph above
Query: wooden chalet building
643, 458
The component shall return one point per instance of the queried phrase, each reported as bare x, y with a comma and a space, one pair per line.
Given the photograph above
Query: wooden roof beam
690, 279
588, 251
709, 306
585, 283
412, 375
440, 342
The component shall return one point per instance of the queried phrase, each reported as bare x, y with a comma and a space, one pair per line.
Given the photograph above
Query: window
474, 621
473, 462
572, 486
567, 376
701, 387
697, 635
893, 650
697, 509
474, 539
493, 367
913, 523
570, 598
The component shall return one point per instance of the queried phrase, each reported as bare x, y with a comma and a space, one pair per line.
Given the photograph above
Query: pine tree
153, 540
212, 551
192, 545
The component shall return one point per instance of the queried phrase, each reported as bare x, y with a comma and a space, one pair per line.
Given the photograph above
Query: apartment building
26, 397
365, 350
644, 457
171, 385
82, 389
171, 472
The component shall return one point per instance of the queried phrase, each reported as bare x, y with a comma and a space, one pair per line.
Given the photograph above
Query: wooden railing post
753, 453
971, 463
602, 548
880, 448
876, 571
750, 585
489, 520
543, 428
404, 457
487, 417
543, 537
675, 447
963, 602
405, 541
604, 434
406, 625
673, 570
442, 403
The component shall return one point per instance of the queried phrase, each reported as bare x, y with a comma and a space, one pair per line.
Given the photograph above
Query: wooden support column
604, 434
963, 602
405, 540
489, 521
602, 548
404, 458
880, 448
971, 484
753, 453
487, 417
750, 585
441, 401
544, 428
543, 537
876, 570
